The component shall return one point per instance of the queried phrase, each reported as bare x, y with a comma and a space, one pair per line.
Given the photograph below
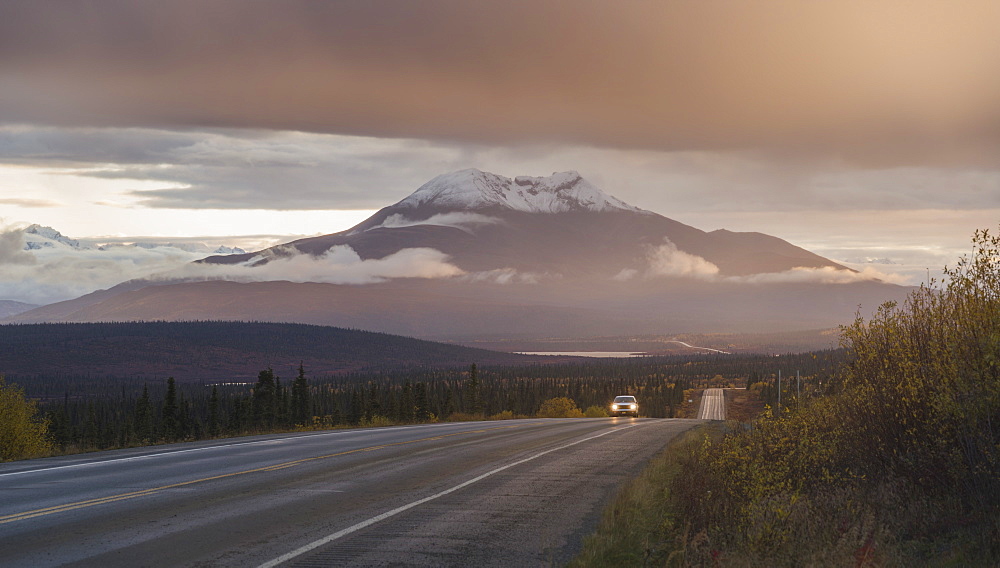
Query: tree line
113, 412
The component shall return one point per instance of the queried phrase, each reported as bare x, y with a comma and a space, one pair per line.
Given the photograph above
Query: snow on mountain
37, 237
200, 248
42, 265
473, 189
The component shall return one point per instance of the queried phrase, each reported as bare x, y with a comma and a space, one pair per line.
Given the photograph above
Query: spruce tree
421, 410
473, 397
213, 413
144, 417
354, 411
406, 403
301, 413
264, 400
171, 420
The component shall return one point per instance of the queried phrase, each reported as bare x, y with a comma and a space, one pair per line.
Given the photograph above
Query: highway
713, 405
506, 493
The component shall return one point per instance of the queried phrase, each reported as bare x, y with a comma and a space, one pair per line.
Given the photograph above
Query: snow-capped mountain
475, 255
37, 237
560, 226
50, 266
473, 190
41, 238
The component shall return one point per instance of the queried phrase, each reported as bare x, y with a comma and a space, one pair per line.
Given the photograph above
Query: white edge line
214, 447
363, 524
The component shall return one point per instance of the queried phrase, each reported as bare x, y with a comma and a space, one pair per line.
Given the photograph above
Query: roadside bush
559, 407
595, 412
464, 417
899, 466
23, 433
504, 415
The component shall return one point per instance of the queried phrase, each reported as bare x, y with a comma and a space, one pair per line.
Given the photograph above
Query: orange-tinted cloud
885, 81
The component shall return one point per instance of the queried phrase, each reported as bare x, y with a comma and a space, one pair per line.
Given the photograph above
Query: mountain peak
473, 189
36, 236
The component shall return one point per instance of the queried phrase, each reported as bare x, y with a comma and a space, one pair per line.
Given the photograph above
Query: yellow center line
143, 492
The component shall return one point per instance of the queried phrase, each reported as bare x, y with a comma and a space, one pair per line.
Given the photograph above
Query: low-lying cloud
57, 273
667, 260
60, 273
339, 265
824, 275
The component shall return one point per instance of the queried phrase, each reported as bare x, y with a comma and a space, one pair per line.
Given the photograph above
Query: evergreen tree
144, 417
301, 413
354, 411
264, 400
213, 413
373, 406
448, 406
473, 396
406, 403
421, 410
170, 418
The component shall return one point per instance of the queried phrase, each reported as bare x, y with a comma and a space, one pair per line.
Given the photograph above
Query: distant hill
219, 350
11, 308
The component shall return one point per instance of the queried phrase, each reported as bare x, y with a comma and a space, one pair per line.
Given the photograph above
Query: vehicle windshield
624, 399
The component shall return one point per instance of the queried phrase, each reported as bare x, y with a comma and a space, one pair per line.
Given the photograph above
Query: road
510, 493
713, 405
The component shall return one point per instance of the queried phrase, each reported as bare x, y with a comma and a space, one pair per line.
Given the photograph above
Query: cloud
12, 249
59, 273
54, 274
825, 275
455, 219
339, 265
234, 169
898, 83
668, 260
21, 202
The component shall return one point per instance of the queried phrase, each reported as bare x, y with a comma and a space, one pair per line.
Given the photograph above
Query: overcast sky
859, 130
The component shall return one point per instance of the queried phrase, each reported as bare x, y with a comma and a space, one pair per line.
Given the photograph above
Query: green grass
639, 527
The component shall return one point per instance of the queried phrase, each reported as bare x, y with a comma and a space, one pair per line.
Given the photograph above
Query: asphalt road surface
713, 405
510, 493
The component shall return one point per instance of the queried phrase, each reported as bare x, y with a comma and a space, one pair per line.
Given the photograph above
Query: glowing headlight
633, 406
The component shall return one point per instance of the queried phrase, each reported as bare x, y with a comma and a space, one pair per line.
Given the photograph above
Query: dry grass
742, 405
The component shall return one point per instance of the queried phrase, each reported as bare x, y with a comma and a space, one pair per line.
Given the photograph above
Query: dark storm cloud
880, 82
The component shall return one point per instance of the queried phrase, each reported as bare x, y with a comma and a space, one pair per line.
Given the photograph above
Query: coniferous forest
87, 412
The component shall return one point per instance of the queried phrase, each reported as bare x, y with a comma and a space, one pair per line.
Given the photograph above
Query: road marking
367, 523
713, 405
14, 517
216, 447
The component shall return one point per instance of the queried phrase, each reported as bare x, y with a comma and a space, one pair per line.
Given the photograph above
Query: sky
860, 130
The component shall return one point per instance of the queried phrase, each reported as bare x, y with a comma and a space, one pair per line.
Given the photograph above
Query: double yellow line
14, 517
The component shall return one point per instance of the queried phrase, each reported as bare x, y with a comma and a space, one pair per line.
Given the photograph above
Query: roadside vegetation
896, 462
23, 431
94, 412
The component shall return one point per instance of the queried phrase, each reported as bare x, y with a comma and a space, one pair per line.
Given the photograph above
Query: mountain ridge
470, 254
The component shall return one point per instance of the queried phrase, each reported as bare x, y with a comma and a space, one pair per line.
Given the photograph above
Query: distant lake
585, 353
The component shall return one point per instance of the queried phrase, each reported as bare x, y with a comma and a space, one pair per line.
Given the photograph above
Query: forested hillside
121, 411
214, 350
